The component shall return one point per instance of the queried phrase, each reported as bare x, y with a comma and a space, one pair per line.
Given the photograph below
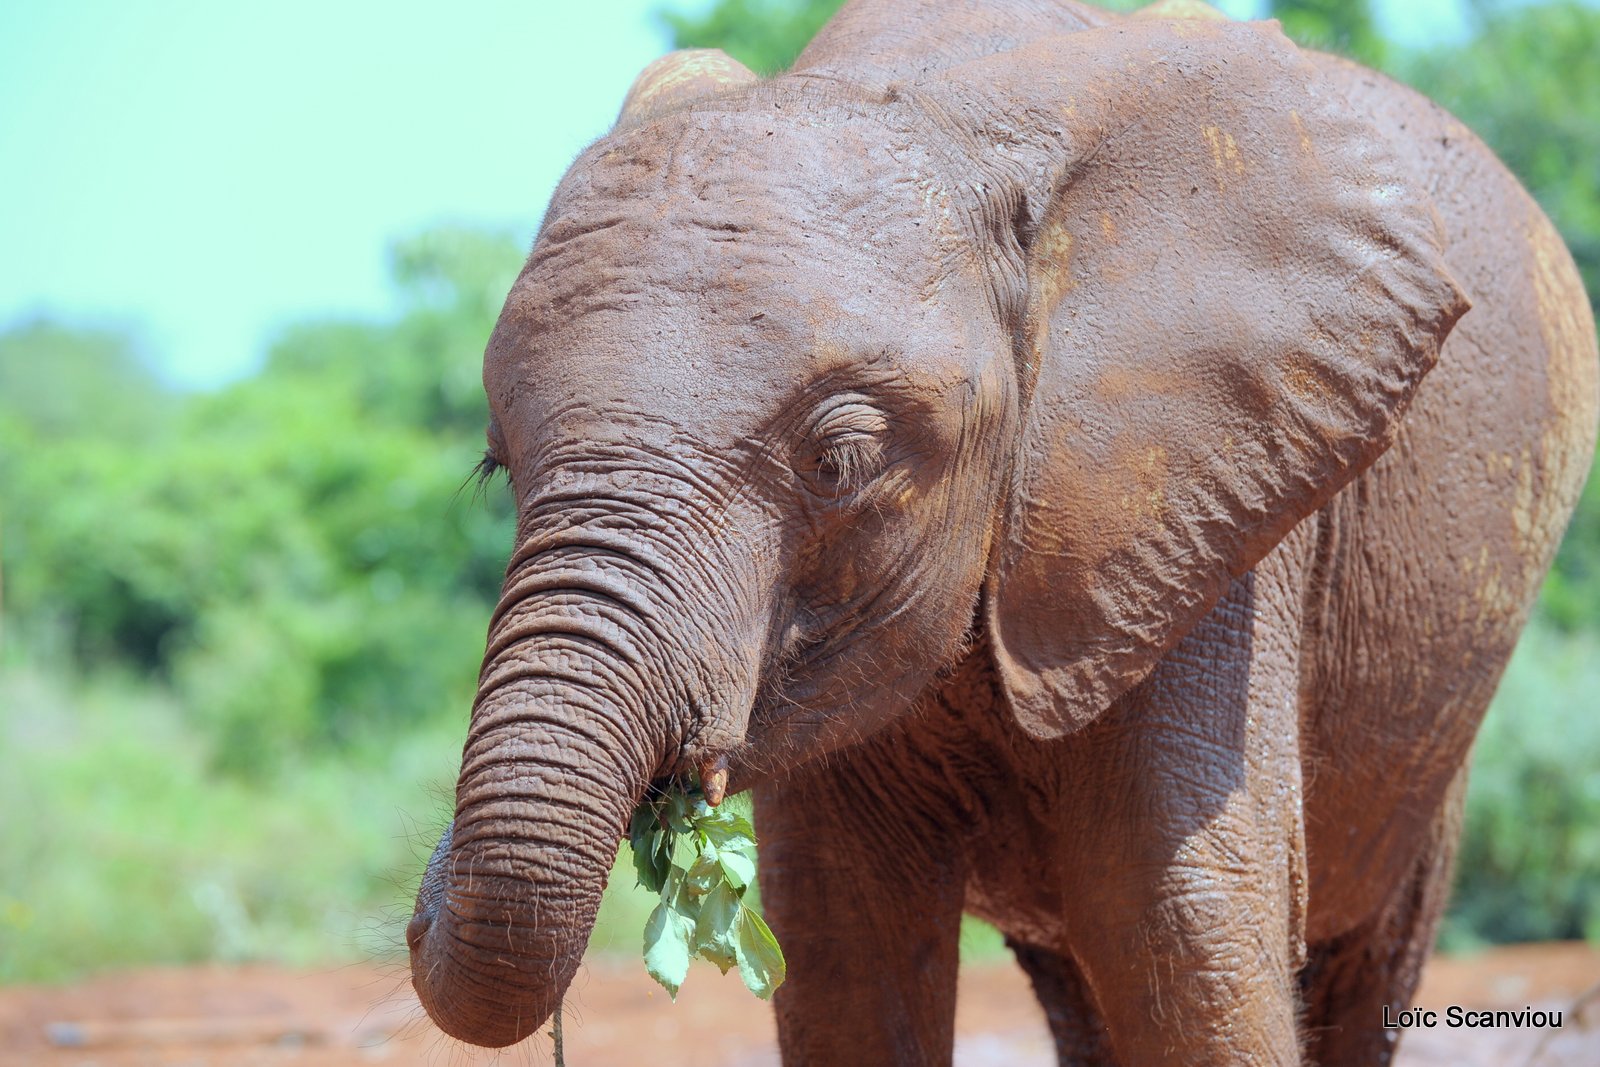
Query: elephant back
877, 42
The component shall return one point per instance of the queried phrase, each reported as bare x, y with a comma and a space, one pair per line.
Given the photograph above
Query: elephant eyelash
484, 470
848, 436
852, 459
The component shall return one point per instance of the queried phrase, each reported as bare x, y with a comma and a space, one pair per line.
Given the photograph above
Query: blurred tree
1526, 868
1529, 84
61, 384
1342, 26
58, 381
294, 553
426, 369
764, 35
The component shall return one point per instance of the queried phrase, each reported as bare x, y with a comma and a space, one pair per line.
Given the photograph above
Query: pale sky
204, 173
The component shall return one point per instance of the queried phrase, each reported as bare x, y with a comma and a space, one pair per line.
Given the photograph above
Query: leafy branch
701, 860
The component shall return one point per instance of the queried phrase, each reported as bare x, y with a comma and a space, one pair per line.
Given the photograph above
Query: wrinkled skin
1025, 445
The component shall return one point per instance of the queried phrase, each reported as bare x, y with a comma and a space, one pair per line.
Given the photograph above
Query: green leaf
668, 944
760, 959
706, 873
739, 868
727, 829
644, 870
661, 858
716, 932
652, 846
644, 864
735, 843
701, 860
644, 820
652, 859
680, 811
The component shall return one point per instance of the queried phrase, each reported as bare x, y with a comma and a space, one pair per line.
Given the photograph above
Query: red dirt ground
616, 1017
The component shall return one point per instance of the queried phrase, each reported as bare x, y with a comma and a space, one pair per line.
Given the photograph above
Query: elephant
1083, 470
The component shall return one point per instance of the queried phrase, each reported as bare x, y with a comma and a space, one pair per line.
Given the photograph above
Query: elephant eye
848, 442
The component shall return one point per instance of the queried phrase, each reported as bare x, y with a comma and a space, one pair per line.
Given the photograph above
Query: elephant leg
1349, 981
862, 883
1187, 889
1075, 1023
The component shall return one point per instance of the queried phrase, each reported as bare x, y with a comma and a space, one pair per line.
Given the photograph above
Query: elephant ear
1223, 294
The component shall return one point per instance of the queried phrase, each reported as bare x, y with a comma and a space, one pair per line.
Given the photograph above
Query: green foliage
701, 860
1342, 26
764, 35
1529, 864
52, 378
276, 595
294, 554
1529, 85
1571, 595
767, 35
120, 845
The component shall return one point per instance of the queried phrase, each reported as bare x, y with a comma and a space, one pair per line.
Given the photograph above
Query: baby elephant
1084, 470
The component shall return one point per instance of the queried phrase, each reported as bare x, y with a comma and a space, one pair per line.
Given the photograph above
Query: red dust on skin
1088, 471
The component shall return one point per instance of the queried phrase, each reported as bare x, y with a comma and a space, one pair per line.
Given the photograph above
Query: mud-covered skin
1020, 442
1157, 853
1438, 548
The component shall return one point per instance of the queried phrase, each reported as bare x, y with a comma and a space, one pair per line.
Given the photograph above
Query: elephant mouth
804, 709
775, 743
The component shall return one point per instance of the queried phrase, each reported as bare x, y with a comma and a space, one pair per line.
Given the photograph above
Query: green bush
121, 845
294, 555
1529, 864
1527, 83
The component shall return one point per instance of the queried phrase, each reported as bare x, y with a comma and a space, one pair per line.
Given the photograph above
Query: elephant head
811, 385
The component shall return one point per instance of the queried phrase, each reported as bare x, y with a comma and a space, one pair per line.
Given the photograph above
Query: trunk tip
714, 779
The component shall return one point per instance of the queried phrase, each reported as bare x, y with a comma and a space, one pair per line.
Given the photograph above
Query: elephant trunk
585, 697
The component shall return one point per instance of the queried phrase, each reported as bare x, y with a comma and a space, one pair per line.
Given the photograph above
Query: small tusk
714, 780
